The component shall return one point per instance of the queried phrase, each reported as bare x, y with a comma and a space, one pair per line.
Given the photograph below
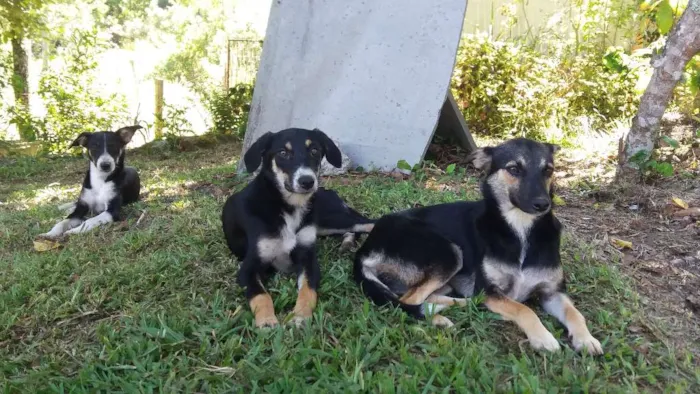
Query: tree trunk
20, 85
682, 44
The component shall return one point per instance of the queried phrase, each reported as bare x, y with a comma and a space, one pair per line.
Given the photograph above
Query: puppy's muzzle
305, 181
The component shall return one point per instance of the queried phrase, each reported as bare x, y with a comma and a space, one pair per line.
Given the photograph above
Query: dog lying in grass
107, 185
506, 245
271, 225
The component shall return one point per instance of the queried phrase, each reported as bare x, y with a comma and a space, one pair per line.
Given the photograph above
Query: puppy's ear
82, 140
126, 133
330, 149
553, 148
253, 156
481, 158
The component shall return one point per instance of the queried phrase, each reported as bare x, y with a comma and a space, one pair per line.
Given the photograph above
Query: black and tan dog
506, 245
272, 224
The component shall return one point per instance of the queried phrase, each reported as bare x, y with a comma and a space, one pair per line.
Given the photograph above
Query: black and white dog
506, 245
271, 225
108, 184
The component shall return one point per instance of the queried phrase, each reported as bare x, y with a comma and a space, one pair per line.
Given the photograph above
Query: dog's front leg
561, 307
250, 276
103, 218
304, 257
74, 219
525, 318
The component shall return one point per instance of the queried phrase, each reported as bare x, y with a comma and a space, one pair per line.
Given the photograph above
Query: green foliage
20, 18
175, 122
72, 106
502, 87
506, 89
649, 167
229, 110
403, 165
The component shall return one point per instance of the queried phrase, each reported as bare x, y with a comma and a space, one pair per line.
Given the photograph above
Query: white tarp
372, 74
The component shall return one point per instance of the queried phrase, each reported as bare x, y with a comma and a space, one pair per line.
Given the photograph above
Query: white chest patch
520, 222
100, 193
518, 283
276, 249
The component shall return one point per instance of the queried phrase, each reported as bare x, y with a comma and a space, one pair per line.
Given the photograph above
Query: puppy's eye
314, 152
513, 170
283, 154
548, 171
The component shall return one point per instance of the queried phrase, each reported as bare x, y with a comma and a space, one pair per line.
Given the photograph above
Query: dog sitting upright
271, 224
108, 184
506, 245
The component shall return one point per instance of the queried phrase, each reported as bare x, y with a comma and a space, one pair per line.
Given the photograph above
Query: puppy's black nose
307, 182
104, 166
541, 204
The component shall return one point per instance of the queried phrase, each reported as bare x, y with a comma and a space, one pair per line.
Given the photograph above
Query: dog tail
67, 208
380, 294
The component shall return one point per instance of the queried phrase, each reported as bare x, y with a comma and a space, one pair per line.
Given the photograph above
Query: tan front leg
264, 311
561, 307
306, 301
526, 319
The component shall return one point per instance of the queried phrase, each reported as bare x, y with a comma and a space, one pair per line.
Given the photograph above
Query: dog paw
545, 341
300, 321
442, 321
266, 321
589, 343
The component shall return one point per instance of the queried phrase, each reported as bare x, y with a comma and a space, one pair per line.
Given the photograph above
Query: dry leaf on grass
44, 245
679, 203
621, 244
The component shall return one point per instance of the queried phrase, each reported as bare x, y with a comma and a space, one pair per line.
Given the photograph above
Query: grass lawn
154, 306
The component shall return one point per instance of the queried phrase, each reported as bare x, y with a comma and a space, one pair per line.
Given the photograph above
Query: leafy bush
175, 122
72, 106
503, 88
229, 110
506, 89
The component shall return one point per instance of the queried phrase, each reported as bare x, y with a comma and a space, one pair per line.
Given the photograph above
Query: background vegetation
579, 74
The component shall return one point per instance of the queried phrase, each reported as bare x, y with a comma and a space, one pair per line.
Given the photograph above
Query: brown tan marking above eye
308, 143
288, 145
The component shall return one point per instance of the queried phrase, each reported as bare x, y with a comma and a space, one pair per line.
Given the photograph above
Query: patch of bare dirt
653, 228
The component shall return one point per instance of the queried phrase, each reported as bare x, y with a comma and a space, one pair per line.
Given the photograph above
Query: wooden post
227, 76
159, 109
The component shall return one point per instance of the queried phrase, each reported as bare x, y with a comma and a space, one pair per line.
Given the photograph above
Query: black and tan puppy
271, 225
506, 245
107, 186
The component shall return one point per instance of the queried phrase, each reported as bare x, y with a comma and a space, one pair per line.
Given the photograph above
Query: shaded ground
150, 304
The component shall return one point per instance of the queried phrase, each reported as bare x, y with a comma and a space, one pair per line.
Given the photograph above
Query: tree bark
20, 85
682, 44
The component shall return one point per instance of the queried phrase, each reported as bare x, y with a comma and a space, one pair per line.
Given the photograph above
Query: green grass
155, 307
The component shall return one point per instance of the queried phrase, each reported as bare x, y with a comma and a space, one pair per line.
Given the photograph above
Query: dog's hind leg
526, 319
561, 307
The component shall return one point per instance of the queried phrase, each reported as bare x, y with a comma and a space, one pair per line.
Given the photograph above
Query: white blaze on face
105, 162
303, 171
